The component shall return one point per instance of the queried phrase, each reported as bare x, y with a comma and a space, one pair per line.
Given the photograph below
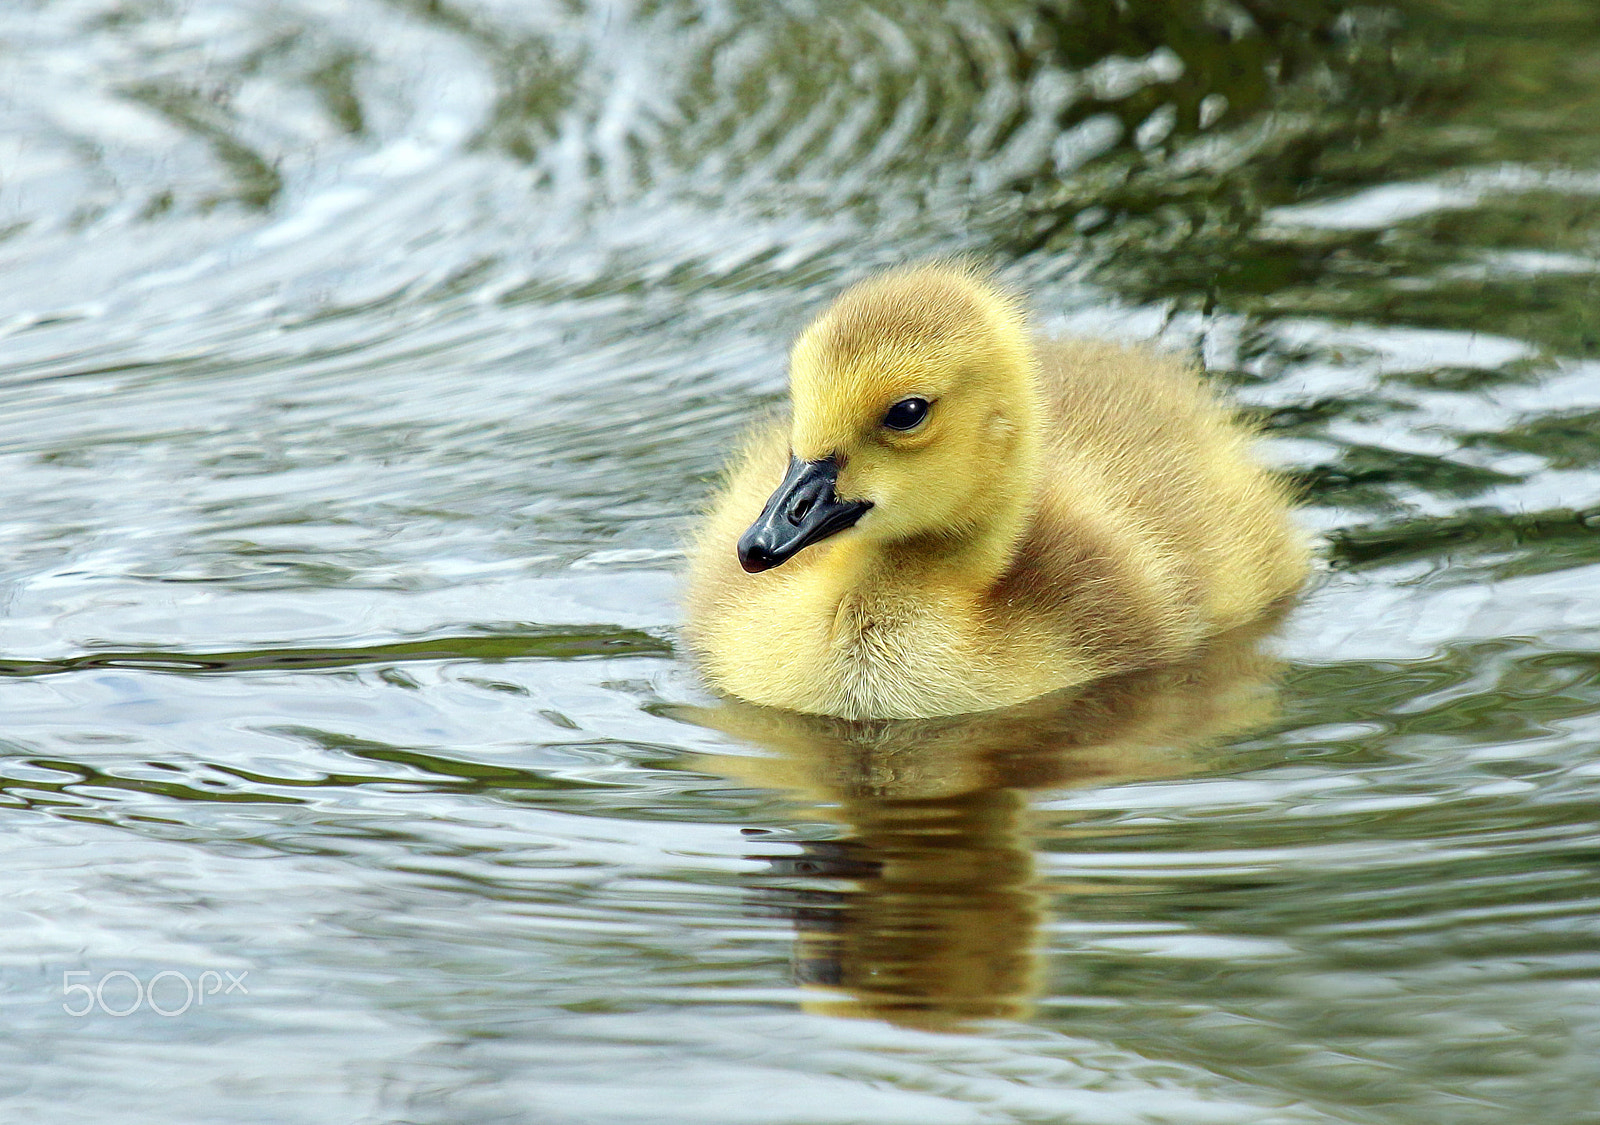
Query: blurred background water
364, 361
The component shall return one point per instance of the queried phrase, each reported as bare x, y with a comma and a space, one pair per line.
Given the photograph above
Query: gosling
957, 517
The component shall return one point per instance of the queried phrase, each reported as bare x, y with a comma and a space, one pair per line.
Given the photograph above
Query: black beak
802, 511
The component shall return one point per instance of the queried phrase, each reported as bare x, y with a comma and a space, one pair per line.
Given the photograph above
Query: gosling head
914, 416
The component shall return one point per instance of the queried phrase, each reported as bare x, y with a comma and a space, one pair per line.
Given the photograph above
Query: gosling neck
979, 546
983, 539
980, 549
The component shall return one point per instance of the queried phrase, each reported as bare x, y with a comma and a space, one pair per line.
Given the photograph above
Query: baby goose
958, 518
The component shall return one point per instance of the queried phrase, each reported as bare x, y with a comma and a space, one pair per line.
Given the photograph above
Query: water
365, 362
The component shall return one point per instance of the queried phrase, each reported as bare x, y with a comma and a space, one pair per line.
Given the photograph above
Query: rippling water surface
363, 363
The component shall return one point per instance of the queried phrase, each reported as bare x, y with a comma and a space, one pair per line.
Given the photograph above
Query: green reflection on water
1324, 99
552, 644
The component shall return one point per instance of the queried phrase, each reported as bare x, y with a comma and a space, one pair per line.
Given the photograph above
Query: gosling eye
907, 414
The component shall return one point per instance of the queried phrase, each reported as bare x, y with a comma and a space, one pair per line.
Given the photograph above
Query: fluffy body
1068, 510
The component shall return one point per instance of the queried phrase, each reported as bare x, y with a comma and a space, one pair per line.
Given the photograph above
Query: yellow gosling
957, 517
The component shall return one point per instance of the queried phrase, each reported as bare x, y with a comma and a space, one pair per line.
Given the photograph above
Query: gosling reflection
940, 928
940, 916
